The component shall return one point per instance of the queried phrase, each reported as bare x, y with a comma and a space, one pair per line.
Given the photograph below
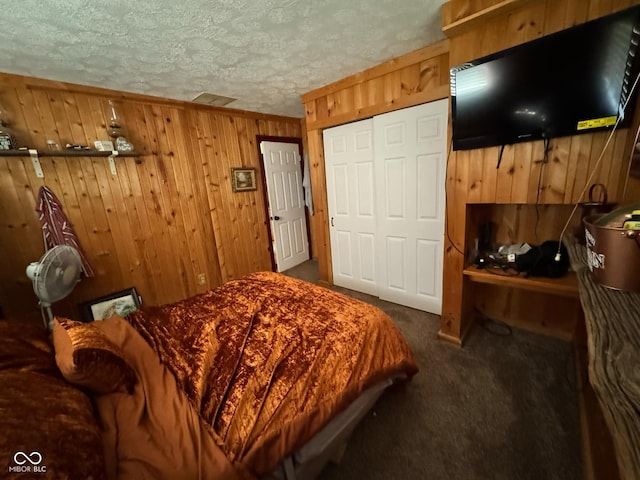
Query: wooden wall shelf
566, 286
35, 156
66, 153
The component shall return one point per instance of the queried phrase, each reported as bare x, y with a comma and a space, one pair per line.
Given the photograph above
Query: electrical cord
493, 265
44, 320
535, 228
507, 271
495, 327
446, 201
545, 160
500, 157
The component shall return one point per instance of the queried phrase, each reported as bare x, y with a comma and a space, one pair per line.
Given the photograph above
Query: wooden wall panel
245, 225
158, 224
556, 316
307, 158
320, 218
478, 28
415, 78
455, 11
515, 223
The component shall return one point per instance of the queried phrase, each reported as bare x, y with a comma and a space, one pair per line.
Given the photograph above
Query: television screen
574, 81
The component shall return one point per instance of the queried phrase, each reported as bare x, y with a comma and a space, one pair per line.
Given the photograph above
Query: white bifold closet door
385, 188
411, 158
348, 153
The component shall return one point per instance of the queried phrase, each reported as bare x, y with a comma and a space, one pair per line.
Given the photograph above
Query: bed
263, 377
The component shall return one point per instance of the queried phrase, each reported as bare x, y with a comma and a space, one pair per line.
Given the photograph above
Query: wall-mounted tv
574, 81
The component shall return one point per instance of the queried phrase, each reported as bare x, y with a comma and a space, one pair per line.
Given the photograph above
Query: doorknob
332, 221
275, 218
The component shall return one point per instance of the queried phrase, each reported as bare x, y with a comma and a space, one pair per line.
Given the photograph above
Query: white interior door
348, 152
411, 150
286, 203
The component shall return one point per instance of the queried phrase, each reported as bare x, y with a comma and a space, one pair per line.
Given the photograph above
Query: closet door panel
349, 162
410, 158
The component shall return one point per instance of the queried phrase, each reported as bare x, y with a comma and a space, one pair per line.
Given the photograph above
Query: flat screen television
574, 81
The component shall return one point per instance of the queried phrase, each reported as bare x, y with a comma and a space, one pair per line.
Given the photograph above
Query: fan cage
57, 274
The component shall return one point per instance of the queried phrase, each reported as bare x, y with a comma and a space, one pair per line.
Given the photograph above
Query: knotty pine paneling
453, 11
320, 219
523, 177
158, 224
306, 158
571, 162
556, 315
515, 223
225, 142
415, 78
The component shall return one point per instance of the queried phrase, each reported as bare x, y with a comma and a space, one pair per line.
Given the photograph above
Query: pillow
40, 412
88, 359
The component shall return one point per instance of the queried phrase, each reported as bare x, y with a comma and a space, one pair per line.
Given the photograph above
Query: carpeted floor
501, 407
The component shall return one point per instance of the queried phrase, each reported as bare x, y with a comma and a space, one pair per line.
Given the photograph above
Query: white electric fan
54, 277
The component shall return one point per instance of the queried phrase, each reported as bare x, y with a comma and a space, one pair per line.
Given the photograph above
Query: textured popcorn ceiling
265, 53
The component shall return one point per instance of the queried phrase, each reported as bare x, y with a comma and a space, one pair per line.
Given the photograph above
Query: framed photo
120, 303
243, 179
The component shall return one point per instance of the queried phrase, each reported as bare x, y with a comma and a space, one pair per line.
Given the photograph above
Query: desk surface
612, 320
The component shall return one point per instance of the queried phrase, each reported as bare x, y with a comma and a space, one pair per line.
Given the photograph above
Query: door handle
332, 221
275, 218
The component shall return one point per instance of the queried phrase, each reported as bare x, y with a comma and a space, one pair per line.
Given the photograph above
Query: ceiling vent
211, 99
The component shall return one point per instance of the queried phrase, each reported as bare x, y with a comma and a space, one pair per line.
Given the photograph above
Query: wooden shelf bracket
35, 160
112, 162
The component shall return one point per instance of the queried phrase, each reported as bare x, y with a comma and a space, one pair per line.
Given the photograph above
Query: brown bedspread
268, 360
154, 433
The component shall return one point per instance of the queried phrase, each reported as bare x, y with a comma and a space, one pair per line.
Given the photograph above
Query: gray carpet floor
501, 407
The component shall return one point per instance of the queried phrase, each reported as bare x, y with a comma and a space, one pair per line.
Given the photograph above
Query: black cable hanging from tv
500, 156
545, 159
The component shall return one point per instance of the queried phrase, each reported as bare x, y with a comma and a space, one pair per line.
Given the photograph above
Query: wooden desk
612, 322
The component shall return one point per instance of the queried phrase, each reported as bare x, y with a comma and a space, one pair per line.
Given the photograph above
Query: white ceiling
265, 53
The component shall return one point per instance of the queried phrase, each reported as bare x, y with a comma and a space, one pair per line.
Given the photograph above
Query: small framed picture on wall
243, 179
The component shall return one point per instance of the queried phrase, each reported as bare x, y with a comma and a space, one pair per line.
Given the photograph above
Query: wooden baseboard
450, 339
